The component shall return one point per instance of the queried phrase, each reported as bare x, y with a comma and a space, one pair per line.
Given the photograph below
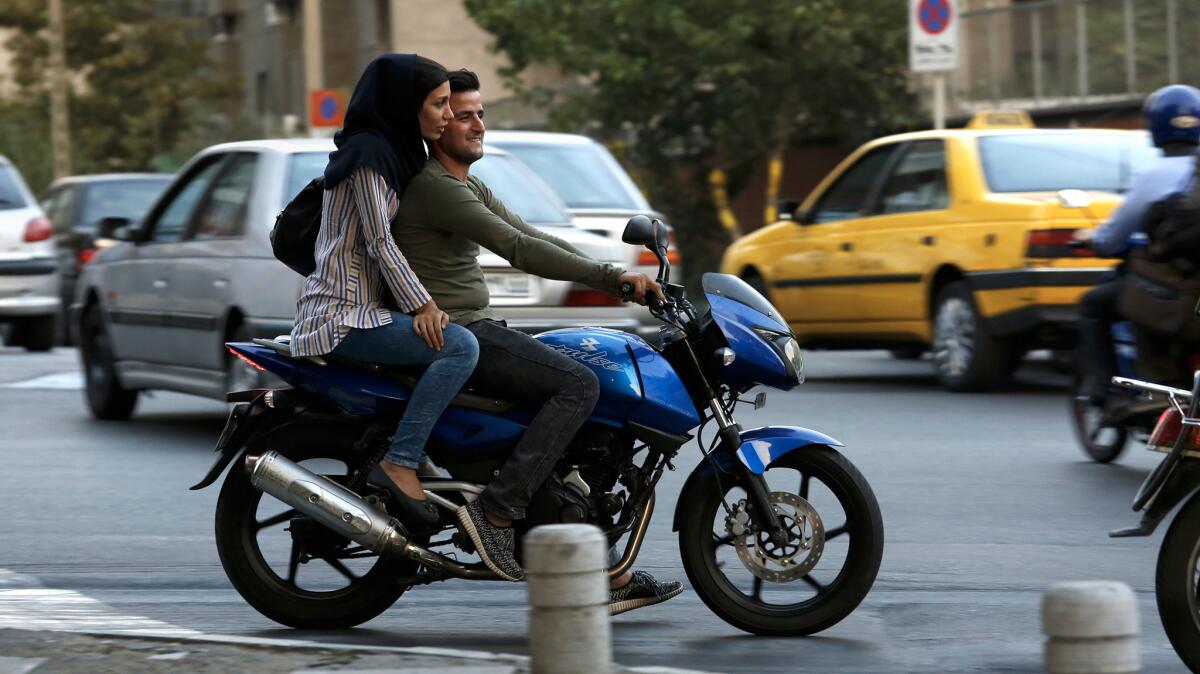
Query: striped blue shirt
355, 253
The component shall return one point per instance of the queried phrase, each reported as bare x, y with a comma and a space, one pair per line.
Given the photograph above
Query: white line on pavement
61, 381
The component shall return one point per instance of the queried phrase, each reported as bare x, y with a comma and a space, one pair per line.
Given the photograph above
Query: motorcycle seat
471, 396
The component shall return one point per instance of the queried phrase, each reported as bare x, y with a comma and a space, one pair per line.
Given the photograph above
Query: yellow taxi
953, 241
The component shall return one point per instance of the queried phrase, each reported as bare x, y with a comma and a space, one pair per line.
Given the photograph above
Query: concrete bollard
566, 571
1091, 627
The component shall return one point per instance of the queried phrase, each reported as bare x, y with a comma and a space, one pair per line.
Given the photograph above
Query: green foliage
142, 83
693, 85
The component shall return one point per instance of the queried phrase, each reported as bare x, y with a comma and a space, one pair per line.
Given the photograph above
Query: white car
154, 311
599, 194
29, 301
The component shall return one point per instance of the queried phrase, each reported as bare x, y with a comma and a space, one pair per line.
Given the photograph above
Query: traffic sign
932, 35
326, 108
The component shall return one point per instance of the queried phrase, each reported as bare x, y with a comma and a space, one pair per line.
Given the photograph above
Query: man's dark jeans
522, 367
1098, 313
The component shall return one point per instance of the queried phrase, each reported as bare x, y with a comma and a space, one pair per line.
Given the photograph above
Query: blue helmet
1173, 115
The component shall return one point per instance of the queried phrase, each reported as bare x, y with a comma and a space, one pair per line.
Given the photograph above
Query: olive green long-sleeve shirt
440, 225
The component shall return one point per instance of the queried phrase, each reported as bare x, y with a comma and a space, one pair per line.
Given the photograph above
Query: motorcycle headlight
788, 349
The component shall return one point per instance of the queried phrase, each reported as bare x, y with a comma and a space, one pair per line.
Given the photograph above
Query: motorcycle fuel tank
636, 382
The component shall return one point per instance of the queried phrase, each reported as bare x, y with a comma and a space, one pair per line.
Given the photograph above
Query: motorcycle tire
1176, 585
701, 499
1100, 449
254, 578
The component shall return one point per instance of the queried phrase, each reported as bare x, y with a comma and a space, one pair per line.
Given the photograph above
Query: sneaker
641, 590
494, 544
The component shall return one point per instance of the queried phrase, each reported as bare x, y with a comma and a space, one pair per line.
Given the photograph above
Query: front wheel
1177, 583
1102, 441
818, 578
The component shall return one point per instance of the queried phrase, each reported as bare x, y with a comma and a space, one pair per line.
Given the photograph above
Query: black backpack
1173, 230
294, 237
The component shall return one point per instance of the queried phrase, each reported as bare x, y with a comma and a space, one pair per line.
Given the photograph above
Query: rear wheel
287, 566
966, 357
831, 559
1177, 583
106, 398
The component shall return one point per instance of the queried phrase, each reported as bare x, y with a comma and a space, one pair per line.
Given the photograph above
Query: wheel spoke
756, 593
814, 583
834, 533
293, 563
274, 519
340, 568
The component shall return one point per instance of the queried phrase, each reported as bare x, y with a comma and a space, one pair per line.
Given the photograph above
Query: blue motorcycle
779, 533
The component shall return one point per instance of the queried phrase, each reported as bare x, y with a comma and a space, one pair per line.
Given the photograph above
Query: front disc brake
793, 560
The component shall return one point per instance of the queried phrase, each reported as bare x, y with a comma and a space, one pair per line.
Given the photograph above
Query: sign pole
939, 100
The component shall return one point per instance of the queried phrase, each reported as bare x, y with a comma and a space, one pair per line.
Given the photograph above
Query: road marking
26, 605
19, 665
61, 381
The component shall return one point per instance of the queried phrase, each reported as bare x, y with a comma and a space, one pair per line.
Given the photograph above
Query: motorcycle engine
580, 488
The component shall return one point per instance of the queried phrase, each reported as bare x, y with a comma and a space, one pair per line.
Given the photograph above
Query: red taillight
245, 360
1194, 361
590, 298
38, 229
84, 256
1055, 243
1167, 430
647, 258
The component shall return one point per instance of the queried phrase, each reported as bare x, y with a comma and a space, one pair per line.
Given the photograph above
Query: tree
142, 83
700, 92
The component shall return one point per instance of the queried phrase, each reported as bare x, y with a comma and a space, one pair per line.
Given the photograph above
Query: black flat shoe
416, 511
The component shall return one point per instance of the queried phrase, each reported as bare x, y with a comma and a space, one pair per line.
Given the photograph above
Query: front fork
761, 511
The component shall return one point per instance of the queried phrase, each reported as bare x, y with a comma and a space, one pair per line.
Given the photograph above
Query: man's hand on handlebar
634, 286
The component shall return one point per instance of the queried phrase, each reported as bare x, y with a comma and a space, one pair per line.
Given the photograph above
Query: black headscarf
381, 130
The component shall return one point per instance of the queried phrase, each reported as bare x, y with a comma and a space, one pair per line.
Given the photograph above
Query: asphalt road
985, 498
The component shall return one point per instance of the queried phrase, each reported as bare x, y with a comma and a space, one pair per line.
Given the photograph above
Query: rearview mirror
787, 208
108, 228
639, 231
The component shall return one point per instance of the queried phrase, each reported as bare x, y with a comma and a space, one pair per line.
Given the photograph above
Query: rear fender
246, 420
760, 447
1180, 484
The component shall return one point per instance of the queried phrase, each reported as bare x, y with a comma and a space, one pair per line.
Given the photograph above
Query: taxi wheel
966, 357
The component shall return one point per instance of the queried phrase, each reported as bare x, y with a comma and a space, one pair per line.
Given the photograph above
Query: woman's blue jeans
397, 344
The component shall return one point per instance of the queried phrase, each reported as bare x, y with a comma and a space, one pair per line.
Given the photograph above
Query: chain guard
806, 541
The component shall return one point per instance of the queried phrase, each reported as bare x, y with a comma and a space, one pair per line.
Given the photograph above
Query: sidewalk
28, 652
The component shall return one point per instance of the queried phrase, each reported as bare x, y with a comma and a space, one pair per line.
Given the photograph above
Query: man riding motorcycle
443, 218
1172, 114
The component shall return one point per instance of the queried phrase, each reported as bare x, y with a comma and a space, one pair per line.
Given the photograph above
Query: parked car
599, 194
29, 299
77, 204
154, 311
953, 241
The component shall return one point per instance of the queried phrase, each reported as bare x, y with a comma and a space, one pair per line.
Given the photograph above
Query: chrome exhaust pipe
348, 514
327, 502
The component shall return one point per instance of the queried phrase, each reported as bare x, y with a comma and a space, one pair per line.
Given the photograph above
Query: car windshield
581, 174
302, 168
1050, 162
11, 195
520, 190
129, 199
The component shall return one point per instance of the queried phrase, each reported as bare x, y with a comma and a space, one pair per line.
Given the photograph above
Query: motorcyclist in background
1172, 114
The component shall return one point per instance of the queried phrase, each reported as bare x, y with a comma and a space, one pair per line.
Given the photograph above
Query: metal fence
1038, 55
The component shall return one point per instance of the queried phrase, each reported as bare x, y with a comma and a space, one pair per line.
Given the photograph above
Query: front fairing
763, 345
